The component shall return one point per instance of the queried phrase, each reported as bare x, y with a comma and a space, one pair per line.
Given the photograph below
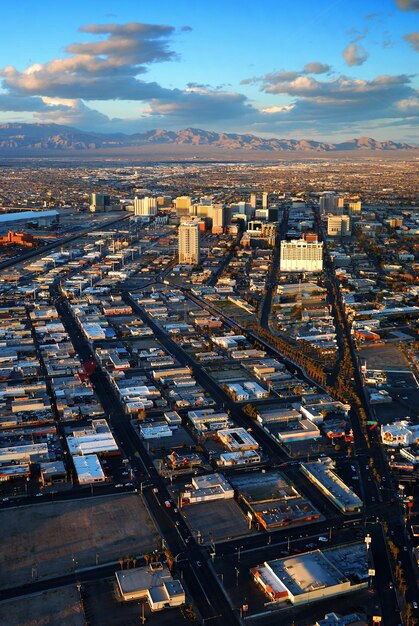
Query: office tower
217, 213
329, 203
145, 206
298, 255
101, 203
189, 243
183, 205
273, 214
253, 200
164, 202
354, 207
262, 214
338, 225
265, 200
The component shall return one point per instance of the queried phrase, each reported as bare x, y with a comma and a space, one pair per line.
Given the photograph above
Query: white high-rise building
145, 206
189, 243
299, 255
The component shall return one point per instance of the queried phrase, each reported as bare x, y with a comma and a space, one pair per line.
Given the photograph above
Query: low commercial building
88, 469
401, 433
205, 488
309, 577
236, 459
153, 583
237, 439
321, 475
96, 439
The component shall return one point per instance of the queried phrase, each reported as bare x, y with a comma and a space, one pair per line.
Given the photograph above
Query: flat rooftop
306, 572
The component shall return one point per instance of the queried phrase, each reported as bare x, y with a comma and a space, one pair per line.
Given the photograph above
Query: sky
319, 69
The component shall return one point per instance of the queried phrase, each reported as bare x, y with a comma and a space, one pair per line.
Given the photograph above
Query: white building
400, 434
189, 243
338, 225
145, 206
298, 255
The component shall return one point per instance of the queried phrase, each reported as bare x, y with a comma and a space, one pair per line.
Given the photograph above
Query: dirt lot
46, 540
217, 520
60, 607
387, 357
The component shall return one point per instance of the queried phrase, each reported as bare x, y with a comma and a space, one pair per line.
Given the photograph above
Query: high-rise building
101, 203
183, 205
145, 206
189, 243
164, 202
354, 207
217, 213
265, 200
338, 225
298, 255
253, 200
329, 203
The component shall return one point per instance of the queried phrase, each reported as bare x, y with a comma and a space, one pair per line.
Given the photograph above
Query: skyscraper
189, 243
298, 255
145, 206
101, 202
265, 200
183, 205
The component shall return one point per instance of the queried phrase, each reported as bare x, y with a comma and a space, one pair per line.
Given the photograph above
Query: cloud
341, 101
413, 39
354, 55
200, 105
316, 68
99, 70
408, 5
30, 104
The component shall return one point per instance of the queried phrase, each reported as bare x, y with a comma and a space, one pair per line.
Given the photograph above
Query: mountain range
54, 137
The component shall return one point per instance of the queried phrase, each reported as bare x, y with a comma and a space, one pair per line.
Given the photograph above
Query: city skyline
331, 73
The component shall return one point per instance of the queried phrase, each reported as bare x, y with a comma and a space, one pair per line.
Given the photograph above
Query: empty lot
51, 539
218, 520
60, 607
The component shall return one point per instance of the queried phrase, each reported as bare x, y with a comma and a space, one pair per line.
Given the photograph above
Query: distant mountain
47, 137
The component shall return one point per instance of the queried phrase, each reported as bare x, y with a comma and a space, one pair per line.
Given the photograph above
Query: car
198, 563
323, 539
405, 548
390, 585
119, 486
414, 604
38, 495
167, 504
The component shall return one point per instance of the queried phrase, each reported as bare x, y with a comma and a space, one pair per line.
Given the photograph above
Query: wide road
199, 579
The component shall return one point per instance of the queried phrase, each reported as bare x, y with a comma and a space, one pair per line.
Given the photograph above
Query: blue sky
321, 69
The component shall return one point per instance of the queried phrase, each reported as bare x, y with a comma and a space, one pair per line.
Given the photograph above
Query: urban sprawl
209, 393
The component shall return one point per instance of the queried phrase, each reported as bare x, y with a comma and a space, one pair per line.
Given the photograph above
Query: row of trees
313, 368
